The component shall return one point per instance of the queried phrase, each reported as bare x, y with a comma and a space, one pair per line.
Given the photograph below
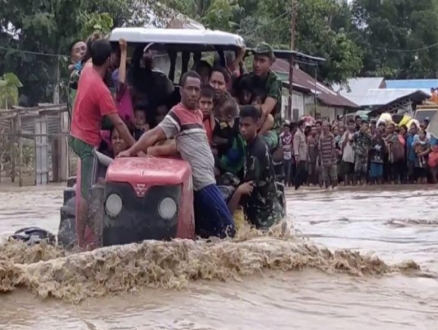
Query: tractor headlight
113, 205
167, 208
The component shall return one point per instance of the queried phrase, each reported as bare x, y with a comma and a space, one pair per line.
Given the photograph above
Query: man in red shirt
93, 103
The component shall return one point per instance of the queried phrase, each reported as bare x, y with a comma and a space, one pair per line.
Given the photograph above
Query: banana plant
9, 85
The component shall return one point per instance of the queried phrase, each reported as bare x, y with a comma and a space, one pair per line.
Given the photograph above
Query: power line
39, 53
60, 55
356, 39
268, 23
31, 52
245, 35
405, 50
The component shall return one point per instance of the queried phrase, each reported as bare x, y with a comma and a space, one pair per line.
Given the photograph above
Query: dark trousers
300, 175
398, 171
212, 216
289, 172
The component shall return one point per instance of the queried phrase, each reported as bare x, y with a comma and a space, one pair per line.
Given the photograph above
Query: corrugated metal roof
382, 96
413, 83
358, 85
358, 88
324, 94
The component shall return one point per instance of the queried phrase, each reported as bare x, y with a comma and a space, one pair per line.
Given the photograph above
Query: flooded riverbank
258, 283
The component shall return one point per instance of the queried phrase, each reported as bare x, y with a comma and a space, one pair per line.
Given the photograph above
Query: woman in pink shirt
123, 95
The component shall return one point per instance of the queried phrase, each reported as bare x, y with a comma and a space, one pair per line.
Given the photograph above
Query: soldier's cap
265, 49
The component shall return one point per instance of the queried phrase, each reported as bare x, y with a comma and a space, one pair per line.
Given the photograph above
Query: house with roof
356, 89
379, 95
310, 97
392, 100
421, 84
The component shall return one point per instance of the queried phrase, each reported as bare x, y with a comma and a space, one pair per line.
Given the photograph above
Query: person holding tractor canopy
93, 102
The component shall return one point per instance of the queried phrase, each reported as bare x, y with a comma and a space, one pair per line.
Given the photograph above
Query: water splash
47, 272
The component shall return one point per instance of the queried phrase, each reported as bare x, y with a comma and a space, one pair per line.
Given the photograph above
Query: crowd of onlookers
358, 152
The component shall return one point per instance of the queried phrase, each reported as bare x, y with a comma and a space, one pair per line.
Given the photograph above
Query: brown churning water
286, 279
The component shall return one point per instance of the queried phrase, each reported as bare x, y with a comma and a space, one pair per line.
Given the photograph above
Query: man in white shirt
347, 164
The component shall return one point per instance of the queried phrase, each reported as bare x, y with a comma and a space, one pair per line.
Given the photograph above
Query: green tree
96, 21
40, 27
214, 14
399, 39
31, 31
220, 15
322, 29
9, 85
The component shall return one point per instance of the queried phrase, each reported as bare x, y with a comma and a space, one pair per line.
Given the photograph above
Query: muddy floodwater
364, 258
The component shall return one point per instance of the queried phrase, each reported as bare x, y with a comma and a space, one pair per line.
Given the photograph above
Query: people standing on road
402, 134
286, 141
396, 154
376, 158
373, 127
328, 156
358, 122
312, 161
422, 148
301, 155
318, 126
433, 159
411, 154
338, 136
362, 144
348, 157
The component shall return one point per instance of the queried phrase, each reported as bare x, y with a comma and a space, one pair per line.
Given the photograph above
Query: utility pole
292, 24
292, 57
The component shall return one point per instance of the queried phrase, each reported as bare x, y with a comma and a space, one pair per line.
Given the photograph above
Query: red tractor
133, 199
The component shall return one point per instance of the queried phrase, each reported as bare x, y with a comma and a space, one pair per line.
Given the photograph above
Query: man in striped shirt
327, 156
184, 122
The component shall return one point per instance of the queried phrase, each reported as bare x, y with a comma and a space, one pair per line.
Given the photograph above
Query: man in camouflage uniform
362, 144
258, 193
262, 78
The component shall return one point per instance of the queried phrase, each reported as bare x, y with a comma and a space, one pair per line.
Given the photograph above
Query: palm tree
9, 85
